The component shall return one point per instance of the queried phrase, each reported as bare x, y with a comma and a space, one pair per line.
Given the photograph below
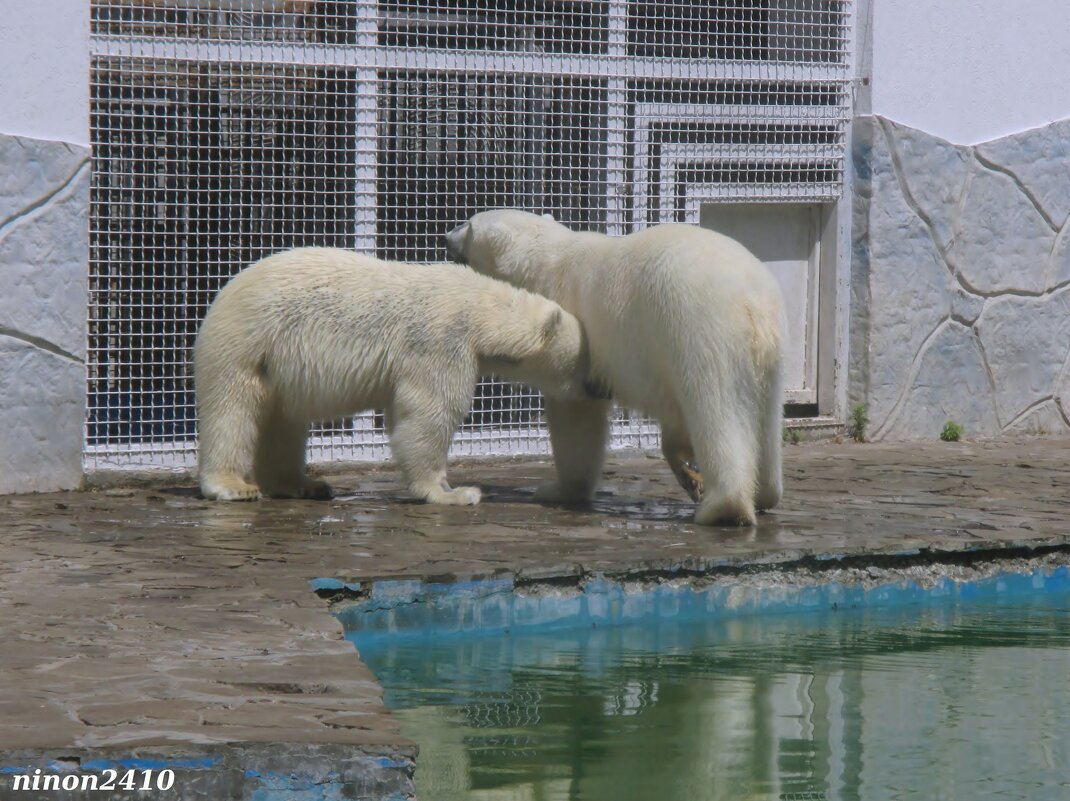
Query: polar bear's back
693, 259
341, 293
341, 284
715, 281
329, 318
668, 299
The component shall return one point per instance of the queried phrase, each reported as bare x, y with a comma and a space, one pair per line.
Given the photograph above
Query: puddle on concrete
938, 701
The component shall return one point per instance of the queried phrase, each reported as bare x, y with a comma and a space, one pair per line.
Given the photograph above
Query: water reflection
953, 702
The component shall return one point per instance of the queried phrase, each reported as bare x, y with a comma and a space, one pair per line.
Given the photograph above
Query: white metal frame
622, 177
698, 195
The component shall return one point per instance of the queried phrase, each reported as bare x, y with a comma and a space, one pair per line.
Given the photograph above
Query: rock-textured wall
961, 282
44, 257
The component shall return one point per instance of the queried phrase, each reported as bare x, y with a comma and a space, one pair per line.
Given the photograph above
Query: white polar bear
315, 334
683, 324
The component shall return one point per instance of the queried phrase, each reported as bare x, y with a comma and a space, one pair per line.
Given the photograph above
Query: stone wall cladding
44, 257
961, 282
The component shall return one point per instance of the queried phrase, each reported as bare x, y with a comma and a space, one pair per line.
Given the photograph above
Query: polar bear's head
515, 246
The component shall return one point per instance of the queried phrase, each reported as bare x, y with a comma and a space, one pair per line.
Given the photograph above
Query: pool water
930, 702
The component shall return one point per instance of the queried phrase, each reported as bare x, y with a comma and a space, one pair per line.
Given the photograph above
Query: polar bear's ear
456, 243
552, 322
549, 217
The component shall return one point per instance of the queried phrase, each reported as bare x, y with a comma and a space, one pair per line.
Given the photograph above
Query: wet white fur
316, 334
683, 324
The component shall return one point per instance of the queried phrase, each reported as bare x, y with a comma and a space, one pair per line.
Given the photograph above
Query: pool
946, 699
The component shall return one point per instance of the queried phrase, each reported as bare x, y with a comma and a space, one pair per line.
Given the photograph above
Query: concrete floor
148, 622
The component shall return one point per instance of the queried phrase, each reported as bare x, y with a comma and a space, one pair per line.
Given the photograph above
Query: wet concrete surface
137, 620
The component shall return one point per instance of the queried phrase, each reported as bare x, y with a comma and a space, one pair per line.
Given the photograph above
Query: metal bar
448, 61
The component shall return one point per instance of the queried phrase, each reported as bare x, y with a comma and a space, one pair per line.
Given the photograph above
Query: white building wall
960, 268
44, 70
971, 70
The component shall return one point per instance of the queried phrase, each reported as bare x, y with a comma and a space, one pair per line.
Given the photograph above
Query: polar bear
683, 324
315, 334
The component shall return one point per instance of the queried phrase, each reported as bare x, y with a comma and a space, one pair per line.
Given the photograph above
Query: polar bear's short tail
767, 340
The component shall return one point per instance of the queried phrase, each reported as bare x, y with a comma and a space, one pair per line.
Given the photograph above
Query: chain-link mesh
225, 130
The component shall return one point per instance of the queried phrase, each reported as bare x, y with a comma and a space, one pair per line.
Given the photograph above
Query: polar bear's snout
455, 243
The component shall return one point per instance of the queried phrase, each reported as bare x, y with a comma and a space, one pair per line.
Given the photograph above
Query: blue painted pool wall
417, 610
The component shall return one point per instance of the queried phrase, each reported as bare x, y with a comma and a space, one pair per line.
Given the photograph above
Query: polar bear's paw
315, 489
458, 496
724, 511
768, 497
554, 492
304, 487
229, 488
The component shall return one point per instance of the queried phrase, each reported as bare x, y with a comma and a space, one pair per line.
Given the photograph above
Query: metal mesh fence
225, 130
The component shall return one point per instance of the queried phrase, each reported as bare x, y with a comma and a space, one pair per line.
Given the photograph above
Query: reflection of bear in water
684, 325
317, 334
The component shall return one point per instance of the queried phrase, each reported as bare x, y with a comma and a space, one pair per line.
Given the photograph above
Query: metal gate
224, 130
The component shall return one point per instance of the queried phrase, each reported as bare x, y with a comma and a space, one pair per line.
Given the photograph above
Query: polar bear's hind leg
230, 412
726, 442
579, 431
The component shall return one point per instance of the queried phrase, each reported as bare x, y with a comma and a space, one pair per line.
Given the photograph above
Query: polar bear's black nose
455, 243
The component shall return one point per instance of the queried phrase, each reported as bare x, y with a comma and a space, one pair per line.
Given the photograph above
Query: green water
925, 703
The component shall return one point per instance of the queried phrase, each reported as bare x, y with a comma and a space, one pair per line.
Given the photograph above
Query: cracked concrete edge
1012, 516
802, 567
875, 131
435, 612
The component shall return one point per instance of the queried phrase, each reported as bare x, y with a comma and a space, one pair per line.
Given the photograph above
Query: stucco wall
960, 281
968, 70
44, 253
44, 70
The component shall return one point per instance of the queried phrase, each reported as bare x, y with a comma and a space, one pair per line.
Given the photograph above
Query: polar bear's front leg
229, 406
280, 461
420, 443
579, 430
